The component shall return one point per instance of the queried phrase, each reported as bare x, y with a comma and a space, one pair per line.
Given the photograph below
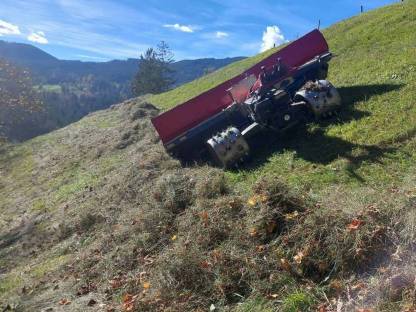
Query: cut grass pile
97, 217
149, 235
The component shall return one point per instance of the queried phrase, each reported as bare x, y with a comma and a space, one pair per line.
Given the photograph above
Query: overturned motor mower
286, 89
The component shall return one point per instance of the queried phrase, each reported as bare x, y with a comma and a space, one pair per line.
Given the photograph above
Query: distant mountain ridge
70, 89
51, 69
19, 52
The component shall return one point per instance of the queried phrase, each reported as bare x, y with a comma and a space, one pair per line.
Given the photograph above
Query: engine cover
321, 96
228, 147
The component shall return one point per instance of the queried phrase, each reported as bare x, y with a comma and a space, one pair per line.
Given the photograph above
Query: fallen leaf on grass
299, 257
204, 217
253, 232
205, 264
354, 225
252, 201
411, 193
291, 216
128, 302
284, 264
336, 286
216, 256
64, 301
255, 199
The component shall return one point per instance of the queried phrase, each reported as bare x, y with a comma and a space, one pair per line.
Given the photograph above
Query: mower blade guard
183, 117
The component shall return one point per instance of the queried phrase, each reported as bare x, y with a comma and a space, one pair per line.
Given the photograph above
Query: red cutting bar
183, 117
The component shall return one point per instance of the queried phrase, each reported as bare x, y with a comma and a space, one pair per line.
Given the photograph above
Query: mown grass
98, 210
370, 142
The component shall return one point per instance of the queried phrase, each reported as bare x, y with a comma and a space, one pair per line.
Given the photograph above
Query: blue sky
100, 30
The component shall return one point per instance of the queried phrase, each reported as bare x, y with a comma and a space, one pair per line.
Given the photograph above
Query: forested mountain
71, 89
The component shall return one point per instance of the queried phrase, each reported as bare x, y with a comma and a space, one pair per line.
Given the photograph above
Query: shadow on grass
317, 147
354, 94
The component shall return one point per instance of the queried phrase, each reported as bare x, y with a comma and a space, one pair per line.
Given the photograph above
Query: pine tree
155, 73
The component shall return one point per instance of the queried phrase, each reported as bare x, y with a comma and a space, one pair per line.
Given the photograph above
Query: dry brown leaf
299, 257
128, 302
204, 217
216, 255
258, 198
263, 198
336, 286
291, 216
64, 301
253, 232
252, 201
355, 224
285, 264
205, 264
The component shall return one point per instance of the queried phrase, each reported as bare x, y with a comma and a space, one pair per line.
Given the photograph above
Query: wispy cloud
221, 34
90, 57
8, 29
38, 37
179, 27
272, 37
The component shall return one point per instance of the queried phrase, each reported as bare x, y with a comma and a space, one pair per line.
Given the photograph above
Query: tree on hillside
18, 99
155, 72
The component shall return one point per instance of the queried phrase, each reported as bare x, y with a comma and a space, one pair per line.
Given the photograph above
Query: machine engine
277, 111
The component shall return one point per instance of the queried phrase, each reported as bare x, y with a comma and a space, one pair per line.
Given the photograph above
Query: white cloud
38, 37
221, 34
272, 37
90, 57
179, 27
8, 29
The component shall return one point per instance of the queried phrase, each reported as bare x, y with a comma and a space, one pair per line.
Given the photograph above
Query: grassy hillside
375, 70
97, 217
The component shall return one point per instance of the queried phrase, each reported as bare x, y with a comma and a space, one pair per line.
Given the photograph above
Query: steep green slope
370, 142
97, 217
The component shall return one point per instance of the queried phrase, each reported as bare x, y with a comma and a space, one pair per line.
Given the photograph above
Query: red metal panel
183, 117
